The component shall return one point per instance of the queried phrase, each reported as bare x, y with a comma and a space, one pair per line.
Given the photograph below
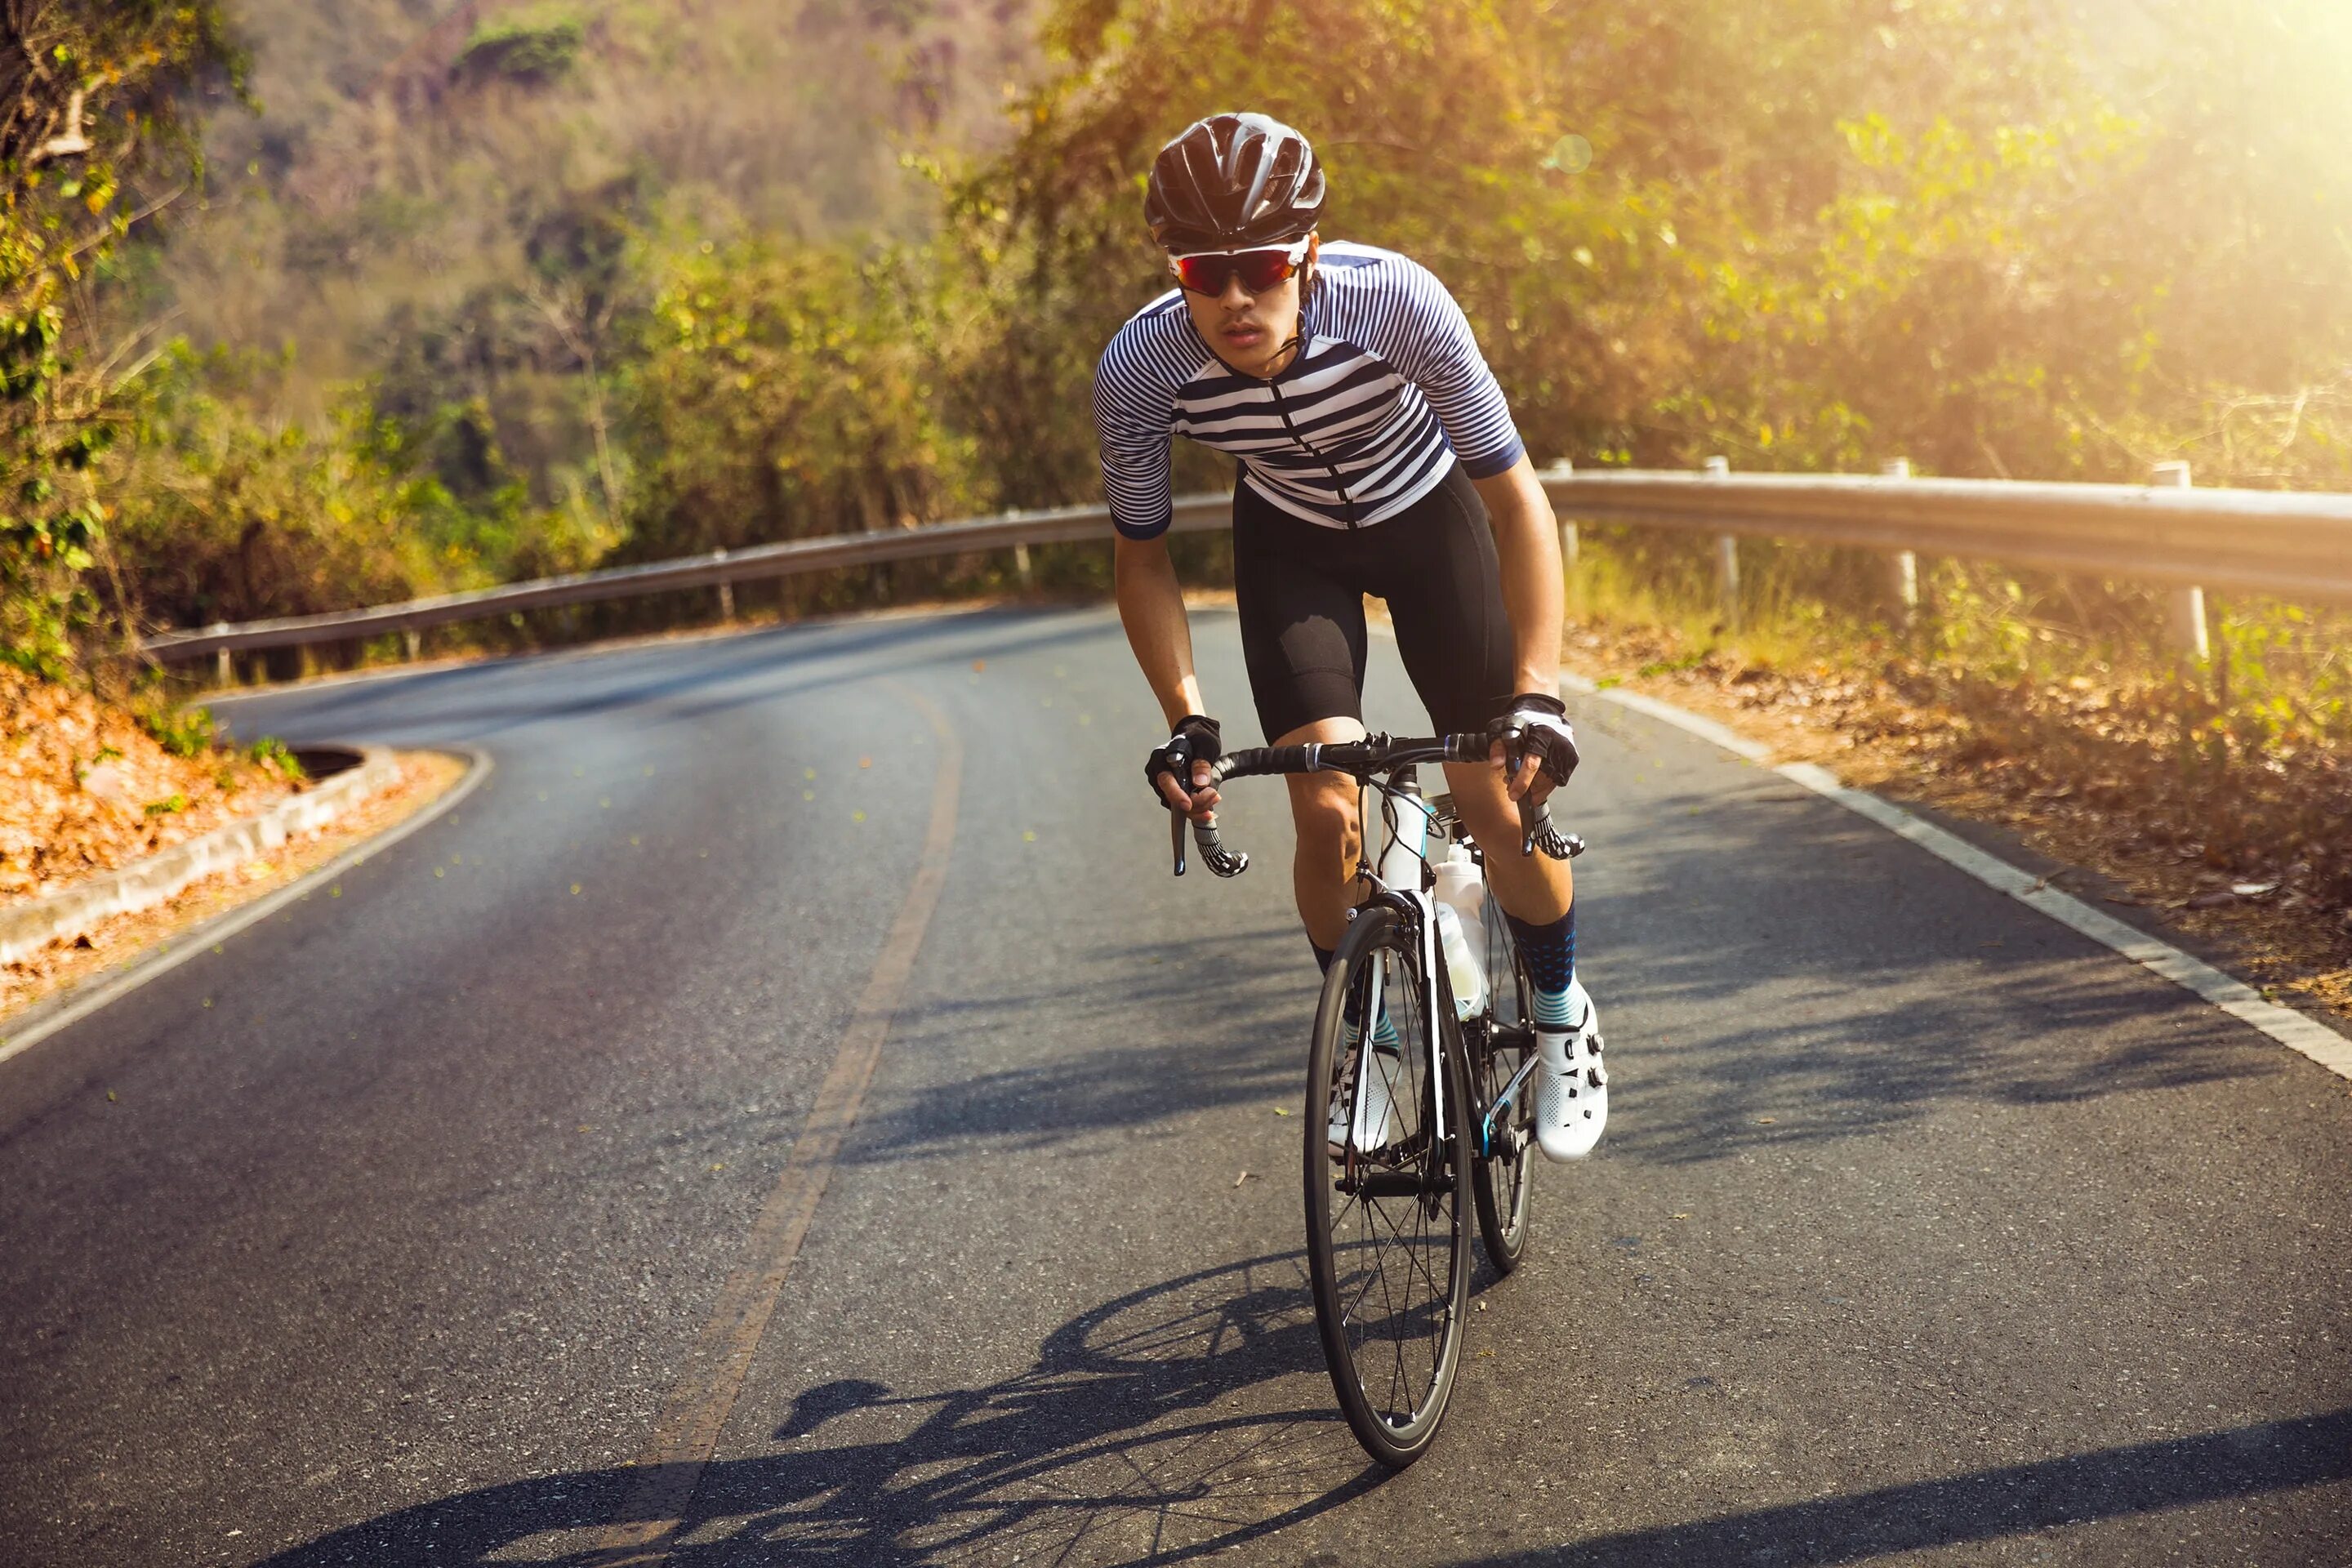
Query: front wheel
1387, 1244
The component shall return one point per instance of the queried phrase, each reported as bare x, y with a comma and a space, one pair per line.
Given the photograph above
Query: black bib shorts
1300, 588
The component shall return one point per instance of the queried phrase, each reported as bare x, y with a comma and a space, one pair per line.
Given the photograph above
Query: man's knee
1327, 823
1480, 799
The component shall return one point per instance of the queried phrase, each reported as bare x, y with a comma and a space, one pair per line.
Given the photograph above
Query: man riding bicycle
1376, 457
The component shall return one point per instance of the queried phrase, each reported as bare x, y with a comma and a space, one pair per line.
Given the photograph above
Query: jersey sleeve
1437, 350
1132, 430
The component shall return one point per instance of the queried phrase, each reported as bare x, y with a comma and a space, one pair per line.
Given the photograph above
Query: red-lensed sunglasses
1208, 272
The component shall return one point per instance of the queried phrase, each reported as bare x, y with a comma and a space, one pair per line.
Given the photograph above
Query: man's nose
1236, 297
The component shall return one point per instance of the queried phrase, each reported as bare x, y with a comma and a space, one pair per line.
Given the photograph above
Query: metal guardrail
2297, 546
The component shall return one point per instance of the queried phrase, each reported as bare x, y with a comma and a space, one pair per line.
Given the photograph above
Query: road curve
396, 1230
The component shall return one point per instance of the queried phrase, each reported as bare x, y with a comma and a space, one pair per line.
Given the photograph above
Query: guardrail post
1571, 546
1726, 559
726, 592
1903, 567
223, 669
416, 644
2187, 605
1021, 564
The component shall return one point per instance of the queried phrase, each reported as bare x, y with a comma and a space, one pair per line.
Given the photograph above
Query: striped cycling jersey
1387, 389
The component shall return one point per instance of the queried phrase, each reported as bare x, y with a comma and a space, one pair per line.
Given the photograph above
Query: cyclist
1376, 457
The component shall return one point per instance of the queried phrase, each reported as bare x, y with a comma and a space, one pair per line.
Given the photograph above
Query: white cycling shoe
1375, 1121
1571, 1087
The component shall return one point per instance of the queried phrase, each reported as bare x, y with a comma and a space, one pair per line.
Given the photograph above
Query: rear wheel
1387, 1244
1499, 1043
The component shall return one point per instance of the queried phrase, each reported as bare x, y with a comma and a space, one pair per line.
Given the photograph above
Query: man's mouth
1243, 331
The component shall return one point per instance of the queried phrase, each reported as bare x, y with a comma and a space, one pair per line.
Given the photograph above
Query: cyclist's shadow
1135, 1439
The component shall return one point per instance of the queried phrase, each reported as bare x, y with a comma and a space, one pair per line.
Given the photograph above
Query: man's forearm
1151, 608
1527, 543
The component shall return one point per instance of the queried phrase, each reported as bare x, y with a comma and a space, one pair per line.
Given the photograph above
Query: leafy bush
534, 48
184, 731
272, 752
784, 391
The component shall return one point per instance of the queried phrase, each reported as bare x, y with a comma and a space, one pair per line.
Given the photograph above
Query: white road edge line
2290, 1029
222, 927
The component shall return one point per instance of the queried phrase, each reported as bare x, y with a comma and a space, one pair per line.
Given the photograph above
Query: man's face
1251, 332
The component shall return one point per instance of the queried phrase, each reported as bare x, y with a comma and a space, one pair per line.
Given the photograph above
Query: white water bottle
1462, 930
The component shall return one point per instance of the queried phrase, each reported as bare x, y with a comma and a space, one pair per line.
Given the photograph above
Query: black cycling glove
1536, 728
1197, 740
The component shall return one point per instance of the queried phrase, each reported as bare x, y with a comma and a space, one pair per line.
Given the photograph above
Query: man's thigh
1303, 639
1445, 595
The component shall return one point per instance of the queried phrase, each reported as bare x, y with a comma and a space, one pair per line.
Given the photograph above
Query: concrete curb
145, 883
69, 1008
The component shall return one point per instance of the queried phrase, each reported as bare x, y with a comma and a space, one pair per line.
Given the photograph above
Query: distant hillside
402, 148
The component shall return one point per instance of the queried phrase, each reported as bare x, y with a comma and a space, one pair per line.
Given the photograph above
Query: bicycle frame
1404, 879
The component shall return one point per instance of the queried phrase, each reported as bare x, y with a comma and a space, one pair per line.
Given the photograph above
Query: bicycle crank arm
1503, 1102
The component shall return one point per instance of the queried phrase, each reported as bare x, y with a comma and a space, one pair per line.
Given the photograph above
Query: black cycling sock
1550, 954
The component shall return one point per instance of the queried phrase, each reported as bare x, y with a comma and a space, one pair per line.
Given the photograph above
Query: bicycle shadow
1127, 1441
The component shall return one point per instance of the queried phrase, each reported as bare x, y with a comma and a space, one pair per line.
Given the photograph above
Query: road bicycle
1411, 1101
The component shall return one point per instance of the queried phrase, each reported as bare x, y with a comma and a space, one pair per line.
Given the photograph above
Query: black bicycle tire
1392, 1447
1505, 1243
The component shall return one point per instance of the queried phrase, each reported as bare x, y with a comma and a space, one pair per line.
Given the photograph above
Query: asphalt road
1925, 1229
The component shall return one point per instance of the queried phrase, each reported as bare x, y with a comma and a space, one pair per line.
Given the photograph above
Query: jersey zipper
1282, 409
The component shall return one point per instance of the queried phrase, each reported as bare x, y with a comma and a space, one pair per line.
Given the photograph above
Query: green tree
93, 141
789, 391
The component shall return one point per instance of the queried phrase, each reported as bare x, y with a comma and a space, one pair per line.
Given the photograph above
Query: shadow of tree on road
664, 683
1135, 1043
1740, 977
1993, 1505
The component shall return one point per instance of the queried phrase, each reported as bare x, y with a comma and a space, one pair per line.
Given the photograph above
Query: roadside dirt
2080, 780
84, 787
123, 941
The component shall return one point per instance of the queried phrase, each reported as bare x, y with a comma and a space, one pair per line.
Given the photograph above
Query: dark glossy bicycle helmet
1231, 181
